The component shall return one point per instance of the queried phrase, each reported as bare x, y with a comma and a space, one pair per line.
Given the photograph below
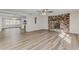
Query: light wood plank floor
14, 39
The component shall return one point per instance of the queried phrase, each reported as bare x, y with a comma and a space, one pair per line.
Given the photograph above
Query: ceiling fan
46, 11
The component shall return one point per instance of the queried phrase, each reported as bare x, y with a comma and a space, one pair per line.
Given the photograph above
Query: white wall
45, 22
74, 22
42, 23
0, 23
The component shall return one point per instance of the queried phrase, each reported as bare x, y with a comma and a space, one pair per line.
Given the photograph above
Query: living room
49, 29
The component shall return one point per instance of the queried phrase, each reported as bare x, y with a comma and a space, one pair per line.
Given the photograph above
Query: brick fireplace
59, 22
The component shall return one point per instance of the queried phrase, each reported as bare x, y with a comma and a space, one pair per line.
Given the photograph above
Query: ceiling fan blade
50, 11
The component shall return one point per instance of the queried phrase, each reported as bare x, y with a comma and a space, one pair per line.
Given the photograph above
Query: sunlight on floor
65, 37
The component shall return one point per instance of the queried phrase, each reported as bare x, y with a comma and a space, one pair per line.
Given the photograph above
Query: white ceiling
23, 12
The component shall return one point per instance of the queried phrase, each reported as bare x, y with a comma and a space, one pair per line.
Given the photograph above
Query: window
12, 22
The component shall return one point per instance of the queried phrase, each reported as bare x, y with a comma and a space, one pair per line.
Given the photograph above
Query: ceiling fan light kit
44, 12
